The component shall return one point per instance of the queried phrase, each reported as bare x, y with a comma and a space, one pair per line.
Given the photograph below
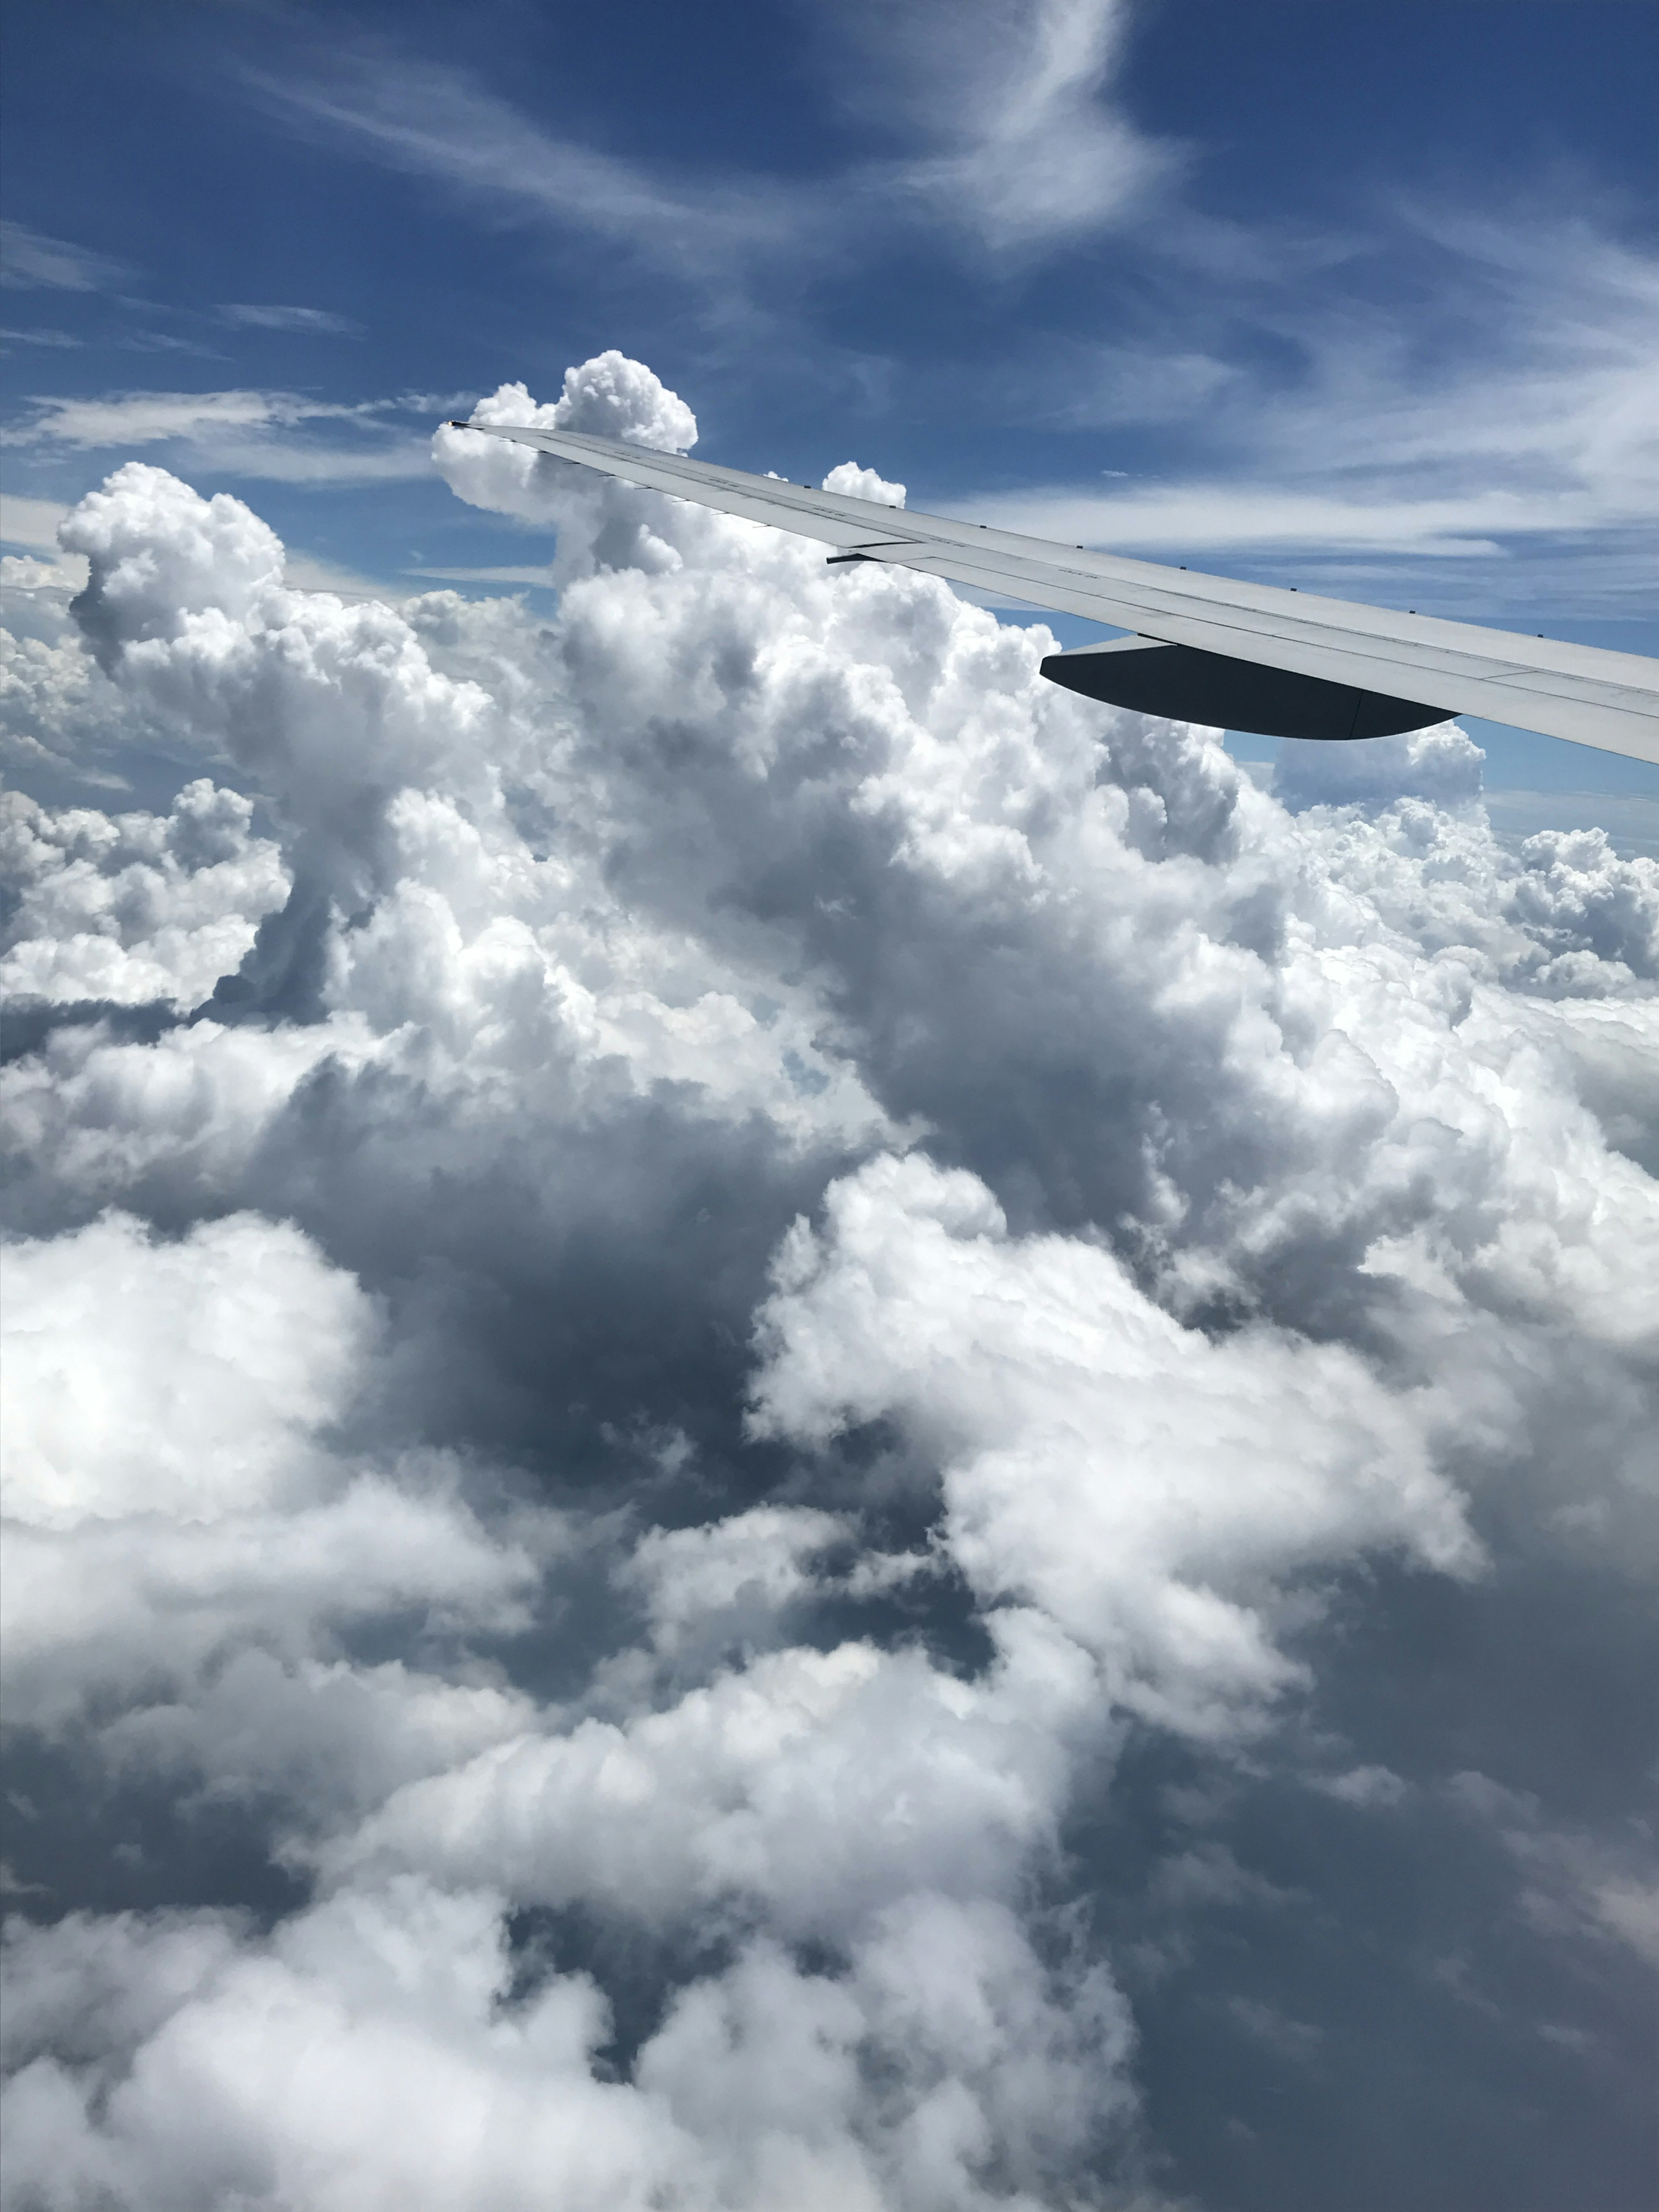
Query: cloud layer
688, 1281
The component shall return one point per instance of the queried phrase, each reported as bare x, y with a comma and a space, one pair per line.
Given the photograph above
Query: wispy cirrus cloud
1011, 146
1015, 141
1511, 411
270, 436
436, 122
30, 261
140, 418
506, 574
312, 321
1514, 419
54, 341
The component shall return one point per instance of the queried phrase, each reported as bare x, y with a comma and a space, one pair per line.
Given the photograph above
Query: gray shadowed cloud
857, 1438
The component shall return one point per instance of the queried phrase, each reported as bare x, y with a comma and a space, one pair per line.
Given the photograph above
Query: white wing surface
1205, 648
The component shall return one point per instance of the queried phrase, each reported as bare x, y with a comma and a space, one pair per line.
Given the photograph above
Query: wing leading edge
1205, 648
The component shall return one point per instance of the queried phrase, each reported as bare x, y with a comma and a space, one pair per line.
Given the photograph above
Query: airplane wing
1205, 648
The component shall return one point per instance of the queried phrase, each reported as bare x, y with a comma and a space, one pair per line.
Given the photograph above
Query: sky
1363, 298
789, 1425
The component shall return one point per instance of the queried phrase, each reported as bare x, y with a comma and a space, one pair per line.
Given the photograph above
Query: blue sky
1363, 297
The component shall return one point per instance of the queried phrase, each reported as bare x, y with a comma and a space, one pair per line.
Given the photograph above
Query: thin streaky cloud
138, 418
58, 340
438, 123
32, 261
1010, 146
1538, 347
542, 576
278, 460
321, 321
1219, 513
260, 435
1521, 414
167, 341
433, 403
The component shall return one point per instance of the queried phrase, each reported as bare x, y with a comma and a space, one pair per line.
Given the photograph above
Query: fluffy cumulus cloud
137, 908
1130, 1476
729, 1338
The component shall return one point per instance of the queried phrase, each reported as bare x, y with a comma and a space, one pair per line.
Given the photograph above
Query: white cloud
822, 1787
154, 1606
140, 418
1024, 150
55, 704
510, 574
864, 483
186, 599
1143, 1486
134, 907
404, 2078
171, 1492
24, 573
1630, 820
1203, 1206
1439, 765
182, 1379
312, 572
442, 2104
189, 1113
734, 1576
34, 522
606, 396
